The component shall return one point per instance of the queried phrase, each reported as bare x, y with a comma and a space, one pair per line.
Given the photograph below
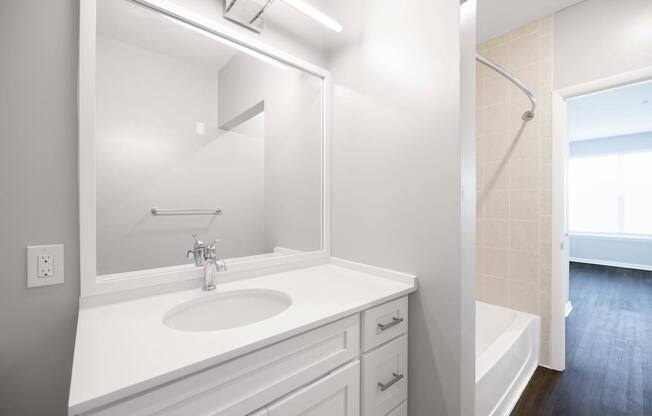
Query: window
611, 193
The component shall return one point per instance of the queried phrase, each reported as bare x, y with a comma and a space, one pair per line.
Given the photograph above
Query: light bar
315, 14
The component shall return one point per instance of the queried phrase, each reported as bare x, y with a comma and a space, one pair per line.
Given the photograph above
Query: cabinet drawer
384, 378
243, 385
337, 394
384, 322
401, 410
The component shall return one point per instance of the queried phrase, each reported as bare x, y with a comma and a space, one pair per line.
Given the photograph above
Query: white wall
599, 38
149, 154
397, 176
468, 207
293, 145
624, 251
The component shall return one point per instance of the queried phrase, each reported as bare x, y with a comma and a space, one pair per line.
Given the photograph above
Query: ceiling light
315, 14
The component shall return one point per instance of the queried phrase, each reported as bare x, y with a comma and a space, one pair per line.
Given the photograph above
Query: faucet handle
198, 242
210, 249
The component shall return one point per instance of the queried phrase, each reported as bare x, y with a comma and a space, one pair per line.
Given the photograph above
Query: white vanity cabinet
327, 371
384, 379
337, 394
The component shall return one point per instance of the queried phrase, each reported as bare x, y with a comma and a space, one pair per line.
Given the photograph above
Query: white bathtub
507, 353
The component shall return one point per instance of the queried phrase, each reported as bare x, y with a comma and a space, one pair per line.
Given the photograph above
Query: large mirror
195, 134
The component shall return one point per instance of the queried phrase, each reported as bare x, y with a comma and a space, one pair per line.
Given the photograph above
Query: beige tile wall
514, 175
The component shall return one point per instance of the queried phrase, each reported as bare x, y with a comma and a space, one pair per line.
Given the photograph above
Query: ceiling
495, 17
615, 112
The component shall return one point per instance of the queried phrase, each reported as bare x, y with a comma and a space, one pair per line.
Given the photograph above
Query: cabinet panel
337, 394
400, 411
384, 378
384, 322
242, 385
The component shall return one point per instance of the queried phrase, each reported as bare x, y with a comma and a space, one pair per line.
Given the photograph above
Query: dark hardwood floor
608, 349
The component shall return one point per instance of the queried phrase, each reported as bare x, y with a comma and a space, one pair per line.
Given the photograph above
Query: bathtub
507, 353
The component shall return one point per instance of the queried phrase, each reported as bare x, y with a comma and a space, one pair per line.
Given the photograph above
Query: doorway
610, 163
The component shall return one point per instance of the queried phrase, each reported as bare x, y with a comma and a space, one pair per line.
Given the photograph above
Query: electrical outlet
44, 265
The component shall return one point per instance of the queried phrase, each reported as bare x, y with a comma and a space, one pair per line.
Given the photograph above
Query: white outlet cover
33, 255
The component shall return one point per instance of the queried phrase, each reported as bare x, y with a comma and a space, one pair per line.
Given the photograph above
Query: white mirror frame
91, 283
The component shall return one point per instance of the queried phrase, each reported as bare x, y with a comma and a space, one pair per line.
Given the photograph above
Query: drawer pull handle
395, 321
393, 381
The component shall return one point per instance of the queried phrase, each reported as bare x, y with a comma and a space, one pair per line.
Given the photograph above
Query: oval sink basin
226, 310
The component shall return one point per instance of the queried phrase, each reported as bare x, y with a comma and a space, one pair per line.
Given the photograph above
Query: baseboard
612, 263
568, 309
551, 368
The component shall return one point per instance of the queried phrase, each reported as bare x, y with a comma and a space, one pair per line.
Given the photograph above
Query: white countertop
123, 348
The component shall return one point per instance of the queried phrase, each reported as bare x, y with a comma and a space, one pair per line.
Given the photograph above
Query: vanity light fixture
314, 14
230, 43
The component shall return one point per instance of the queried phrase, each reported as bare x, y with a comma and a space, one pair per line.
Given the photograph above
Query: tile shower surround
514, 175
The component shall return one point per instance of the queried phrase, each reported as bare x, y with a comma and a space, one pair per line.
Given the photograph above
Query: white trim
607, 83
93, 285
560, 260
622, 265
559, 240
568, 309
609, 236
86, 162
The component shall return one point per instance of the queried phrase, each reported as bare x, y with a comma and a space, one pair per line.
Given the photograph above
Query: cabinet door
384, 378
337, 394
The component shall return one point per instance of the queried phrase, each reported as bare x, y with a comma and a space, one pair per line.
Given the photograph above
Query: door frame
559, 281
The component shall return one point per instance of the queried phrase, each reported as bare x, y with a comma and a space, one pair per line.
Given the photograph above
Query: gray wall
149, 155
599, 38
38, 162
293, 145
640, 142
619, 251
397, 175
38, 201
396, 182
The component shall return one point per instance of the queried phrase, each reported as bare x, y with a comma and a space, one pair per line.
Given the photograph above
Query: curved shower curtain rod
528, 115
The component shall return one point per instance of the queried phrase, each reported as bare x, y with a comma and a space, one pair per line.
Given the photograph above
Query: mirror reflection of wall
186, 121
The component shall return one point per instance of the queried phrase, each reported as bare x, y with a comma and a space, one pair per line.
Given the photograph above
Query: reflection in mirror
186, 120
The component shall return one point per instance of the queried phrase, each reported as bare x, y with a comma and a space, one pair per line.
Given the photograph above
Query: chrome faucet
198, 253
212, 267
204, 255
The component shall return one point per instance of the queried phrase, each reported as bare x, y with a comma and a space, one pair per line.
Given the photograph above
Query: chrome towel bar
160, 211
